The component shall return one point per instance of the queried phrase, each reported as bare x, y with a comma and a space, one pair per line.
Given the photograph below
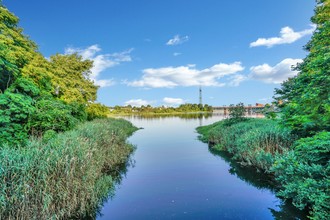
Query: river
176, 176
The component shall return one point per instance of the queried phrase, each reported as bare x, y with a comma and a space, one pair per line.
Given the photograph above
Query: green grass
66, 176
253, 142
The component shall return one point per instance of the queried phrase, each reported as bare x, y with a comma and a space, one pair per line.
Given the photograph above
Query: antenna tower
200, 95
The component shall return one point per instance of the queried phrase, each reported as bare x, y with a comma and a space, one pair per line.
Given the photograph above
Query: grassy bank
66, 176
252, 142
300, 166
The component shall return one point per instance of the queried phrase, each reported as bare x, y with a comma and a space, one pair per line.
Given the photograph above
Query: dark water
175, 176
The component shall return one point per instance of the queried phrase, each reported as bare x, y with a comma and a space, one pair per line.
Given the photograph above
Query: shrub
51, 114
15, 109
97, 110
304, 173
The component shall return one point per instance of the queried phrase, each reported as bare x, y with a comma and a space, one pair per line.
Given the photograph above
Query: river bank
299, 167
252, 142
68, 175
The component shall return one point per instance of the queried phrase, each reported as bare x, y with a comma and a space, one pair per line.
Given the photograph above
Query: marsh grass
67, 176
253, 142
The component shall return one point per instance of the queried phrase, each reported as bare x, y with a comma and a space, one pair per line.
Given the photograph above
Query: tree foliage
306, 97
16, 49
77, 87
304, 172
36, 94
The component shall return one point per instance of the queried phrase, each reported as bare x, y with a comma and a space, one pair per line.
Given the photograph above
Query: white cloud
275, 74
287, 36
177, 40
137, 102
173, 101
170, 77
101, 62
236, 79
176, 54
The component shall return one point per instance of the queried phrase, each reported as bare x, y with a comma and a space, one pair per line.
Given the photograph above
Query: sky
159, 52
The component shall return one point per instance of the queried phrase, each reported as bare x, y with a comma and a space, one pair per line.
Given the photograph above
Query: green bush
97, 110
14, 113
65, 177
253, 142
304, 173
51, 114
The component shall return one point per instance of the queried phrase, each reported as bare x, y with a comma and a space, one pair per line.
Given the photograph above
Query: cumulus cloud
177, 39
275, 74
176, 54
101, 62
287, 36
137, 102
236, 79
173, 101
169, 77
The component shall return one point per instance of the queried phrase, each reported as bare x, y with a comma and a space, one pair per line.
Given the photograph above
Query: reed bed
65, 177
253, 142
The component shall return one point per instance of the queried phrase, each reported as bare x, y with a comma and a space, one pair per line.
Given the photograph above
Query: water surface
175, 176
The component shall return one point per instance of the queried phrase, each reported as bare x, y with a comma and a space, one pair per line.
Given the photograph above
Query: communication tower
200, 95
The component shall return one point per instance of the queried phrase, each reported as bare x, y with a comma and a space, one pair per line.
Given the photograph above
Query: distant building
260, 105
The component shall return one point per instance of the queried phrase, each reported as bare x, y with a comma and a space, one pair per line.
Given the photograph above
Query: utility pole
200, 95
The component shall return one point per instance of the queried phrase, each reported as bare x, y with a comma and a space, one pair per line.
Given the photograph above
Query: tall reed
67, 176
253, 142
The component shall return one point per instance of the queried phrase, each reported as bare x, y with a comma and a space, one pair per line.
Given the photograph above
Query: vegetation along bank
59, 155
295, 147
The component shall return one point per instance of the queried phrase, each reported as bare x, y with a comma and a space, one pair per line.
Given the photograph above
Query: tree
37, 95
306, 97
16, 50
237, 113
71, 78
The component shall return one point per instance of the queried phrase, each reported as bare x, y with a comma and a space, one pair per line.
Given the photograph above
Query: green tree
306, 97
236, 112
71, 80
16, 50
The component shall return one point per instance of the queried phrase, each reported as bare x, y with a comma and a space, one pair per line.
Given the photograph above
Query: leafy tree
71, 78
37, 95
236, 113
39, 70
306, 97
16, 50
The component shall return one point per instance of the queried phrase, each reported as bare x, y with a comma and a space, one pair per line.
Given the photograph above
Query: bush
97, 110
304, 173
14, 112
67, 176
51, 114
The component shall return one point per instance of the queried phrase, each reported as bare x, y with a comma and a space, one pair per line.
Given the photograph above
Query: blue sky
158, 52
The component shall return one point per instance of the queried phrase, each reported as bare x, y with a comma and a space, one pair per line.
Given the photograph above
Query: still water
175, 176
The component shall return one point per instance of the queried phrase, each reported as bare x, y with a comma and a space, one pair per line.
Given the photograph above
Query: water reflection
176, 176
286, 211
118, 173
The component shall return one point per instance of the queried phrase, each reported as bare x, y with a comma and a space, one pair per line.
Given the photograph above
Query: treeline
39, 95
184, 108
295, 145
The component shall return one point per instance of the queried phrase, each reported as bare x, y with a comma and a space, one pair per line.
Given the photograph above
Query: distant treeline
184, 108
